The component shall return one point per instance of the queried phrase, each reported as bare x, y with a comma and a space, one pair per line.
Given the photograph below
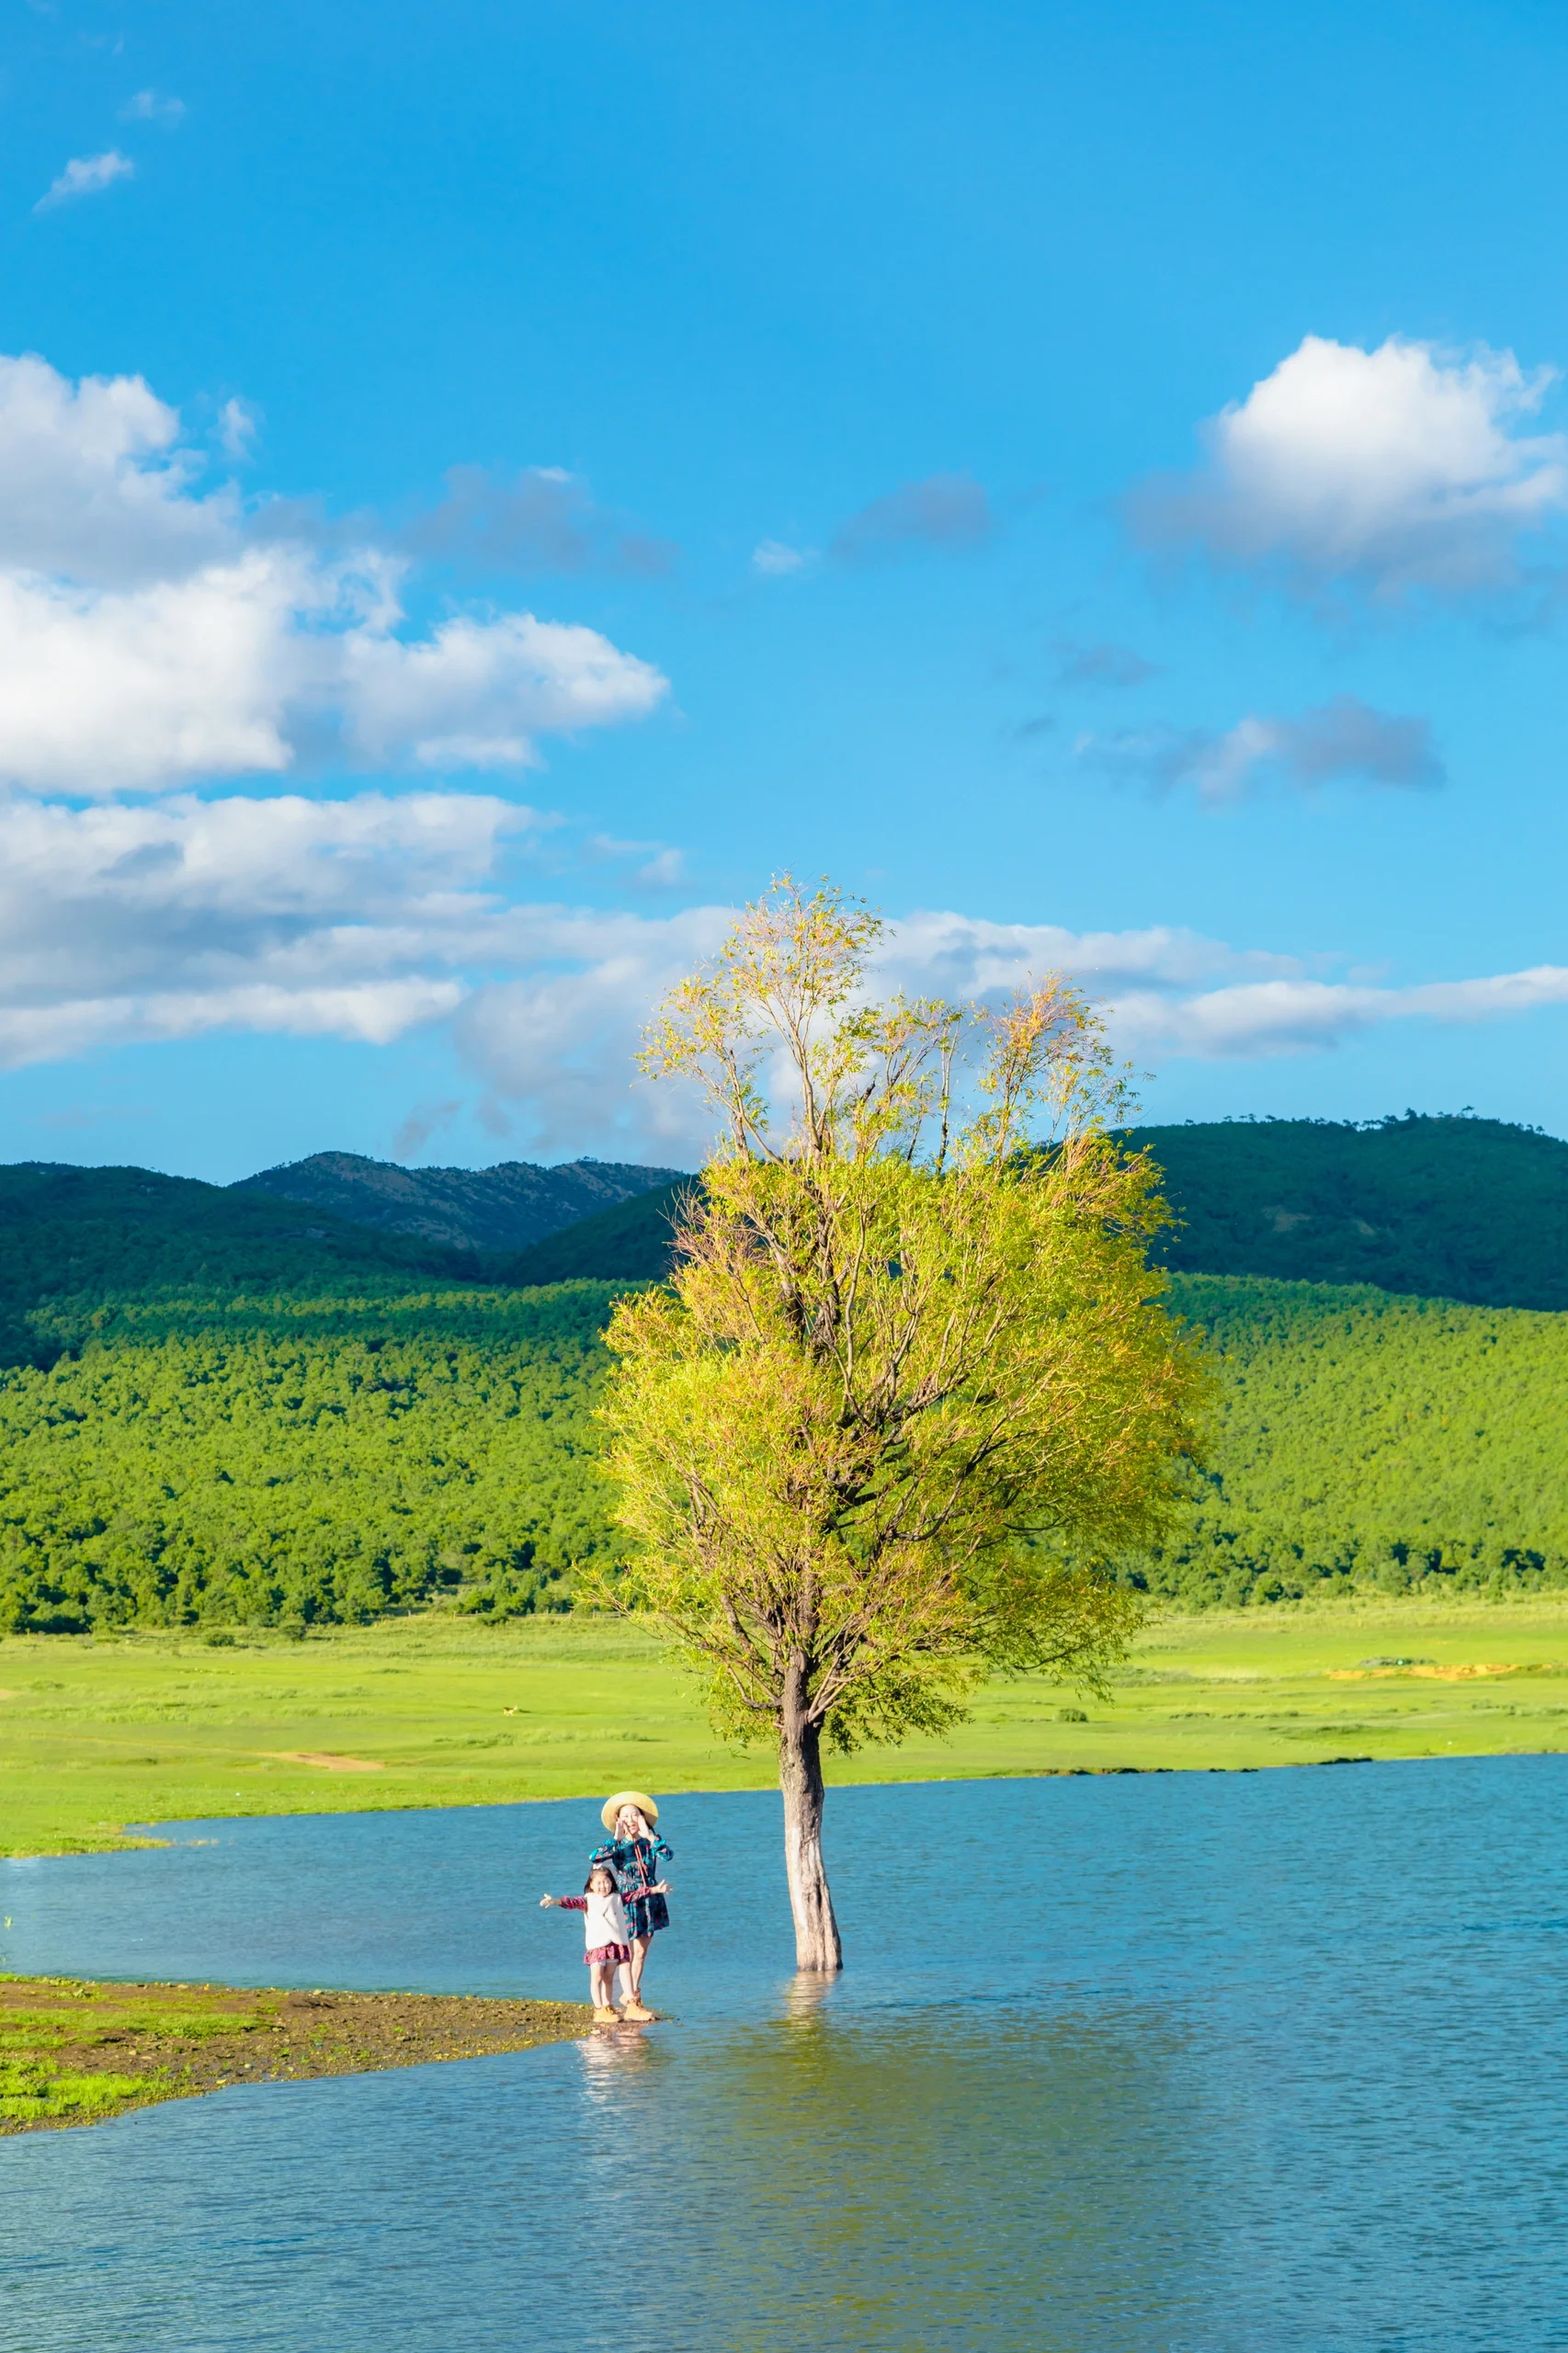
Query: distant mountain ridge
1435, 1208
512, 1206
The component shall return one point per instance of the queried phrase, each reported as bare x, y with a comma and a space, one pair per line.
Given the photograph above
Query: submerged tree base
75, 2051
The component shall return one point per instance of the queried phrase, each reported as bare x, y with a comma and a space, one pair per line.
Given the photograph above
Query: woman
630, 1818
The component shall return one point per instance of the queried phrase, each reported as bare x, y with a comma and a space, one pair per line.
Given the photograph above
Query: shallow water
1187, 2063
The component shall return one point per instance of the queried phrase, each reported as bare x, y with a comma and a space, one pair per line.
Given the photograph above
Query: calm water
1182, 2064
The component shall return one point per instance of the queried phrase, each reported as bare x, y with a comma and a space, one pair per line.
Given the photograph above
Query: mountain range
1448, 1207
508, 1207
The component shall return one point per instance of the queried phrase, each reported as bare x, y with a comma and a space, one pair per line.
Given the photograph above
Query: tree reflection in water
996, 2174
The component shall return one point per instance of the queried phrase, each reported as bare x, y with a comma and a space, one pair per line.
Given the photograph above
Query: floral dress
633, 1865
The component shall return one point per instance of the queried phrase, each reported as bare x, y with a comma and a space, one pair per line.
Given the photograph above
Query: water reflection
932, 2177
1286, 2069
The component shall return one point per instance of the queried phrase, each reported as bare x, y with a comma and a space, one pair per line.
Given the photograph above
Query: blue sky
481, 488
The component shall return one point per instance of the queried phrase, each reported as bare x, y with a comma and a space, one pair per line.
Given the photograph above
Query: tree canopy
911, 1384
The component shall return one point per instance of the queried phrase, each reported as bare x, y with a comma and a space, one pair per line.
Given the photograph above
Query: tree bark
817, 1944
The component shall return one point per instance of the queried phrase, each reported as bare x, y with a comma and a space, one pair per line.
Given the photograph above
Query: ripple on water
1187, 2065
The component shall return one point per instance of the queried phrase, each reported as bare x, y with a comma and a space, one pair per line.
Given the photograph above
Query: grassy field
98, 1734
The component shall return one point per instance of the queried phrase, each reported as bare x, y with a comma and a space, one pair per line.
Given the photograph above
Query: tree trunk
817, 1943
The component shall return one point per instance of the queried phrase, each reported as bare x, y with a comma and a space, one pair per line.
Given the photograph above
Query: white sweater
604, 1919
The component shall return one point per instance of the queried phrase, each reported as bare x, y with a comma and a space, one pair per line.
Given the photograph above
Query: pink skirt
601, 1956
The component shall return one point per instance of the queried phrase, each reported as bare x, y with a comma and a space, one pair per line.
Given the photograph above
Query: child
606, 1933
631, 1818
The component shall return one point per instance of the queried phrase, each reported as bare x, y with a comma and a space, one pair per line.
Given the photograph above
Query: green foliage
222, 1408
1389, 1445
908, 1352
294, 1459
1457, 1208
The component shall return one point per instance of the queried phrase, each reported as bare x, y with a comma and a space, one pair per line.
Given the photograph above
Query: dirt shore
77, 2051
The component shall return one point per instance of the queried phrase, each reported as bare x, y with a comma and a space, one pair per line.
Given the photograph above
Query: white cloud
349, 917
95, 485
237, 427
85, 175
1397, 469
1343, 739
774, 560
149, 638
154, 106
365, 917
1251, 1021
472, 693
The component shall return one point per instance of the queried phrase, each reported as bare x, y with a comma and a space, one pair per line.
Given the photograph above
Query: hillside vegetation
73, 1241
289, 1461
1457, 1207
1430, 1207
301, 1460
1390, 1444
218, 1406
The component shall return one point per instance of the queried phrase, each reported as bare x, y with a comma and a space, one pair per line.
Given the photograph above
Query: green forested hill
1397, 1442
72, 1239
631, 1243
227, 1457
217, 1404
1434, 1208
285, 1460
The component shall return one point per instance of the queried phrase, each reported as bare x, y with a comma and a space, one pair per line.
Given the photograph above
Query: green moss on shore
74, 2051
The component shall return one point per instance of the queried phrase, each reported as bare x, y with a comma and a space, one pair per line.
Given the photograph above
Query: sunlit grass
95, 1735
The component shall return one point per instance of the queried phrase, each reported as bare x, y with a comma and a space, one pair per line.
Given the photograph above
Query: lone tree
910, 1384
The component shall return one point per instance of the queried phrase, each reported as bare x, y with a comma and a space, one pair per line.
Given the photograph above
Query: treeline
296, 1460
222, 1458
1436, 1208
1389, 1445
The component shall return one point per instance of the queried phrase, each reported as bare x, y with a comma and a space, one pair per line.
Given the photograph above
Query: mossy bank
76, 2051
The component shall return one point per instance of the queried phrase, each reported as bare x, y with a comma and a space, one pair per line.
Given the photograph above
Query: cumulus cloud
94, 484
85, 175
949, 512
1399, 469
540, 519
151, 636
350, 917
1344, 740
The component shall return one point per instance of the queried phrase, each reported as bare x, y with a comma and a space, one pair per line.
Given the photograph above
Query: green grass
64, 2042
95, 1735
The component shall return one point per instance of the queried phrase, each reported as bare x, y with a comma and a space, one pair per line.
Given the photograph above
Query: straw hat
610, 1810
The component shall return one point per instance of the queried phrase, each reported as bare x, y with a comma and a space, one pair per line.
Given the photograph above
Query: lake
1179, 2063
